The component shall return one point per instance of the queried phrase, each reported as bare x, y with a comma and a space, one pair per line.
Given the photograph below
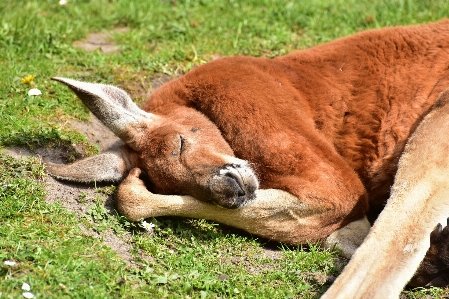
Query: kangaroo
299, 148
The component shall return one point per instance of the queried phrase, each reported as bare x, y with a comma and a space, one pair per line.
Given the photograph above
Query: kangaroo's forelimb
273, 214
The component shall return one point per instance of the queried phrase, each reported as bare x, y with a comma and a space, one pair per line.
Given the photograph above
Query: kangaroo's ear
114, 108
111, 166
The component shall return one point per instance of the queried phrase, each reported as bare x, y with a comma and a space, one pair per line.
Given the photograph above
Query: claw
135, 172
436, 233
445, 231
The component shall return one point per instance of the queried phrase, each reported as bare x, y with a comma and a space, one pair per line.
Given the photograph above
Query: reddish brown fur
161, 144
327, 124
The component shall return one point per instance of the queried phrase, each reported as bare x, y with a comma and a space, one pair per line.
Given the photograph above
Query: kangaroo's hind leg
399, 239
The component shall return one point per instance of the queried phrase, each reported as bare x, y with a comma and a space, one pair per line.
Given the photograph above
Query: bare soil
101, 41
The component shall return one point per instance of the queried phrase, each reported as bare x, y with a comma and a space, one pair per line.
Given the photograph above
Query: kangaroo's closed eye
182, 144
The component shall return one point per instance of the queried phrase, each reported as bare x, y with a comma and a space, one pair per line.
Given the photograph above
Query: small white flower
147, 226
26, 287
34, 92
62, 2
28, 295
10, 263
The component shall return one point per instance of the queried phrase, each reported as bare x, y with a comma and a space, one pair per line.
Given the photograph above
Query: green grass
182, 258
53, 256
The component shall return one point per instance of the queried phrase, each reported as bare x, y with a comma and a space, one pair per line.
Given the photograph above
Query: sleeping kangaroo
299, 148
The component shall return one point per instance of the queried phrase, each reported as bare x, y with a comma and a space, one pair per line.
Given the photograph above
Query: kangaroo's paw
434, 269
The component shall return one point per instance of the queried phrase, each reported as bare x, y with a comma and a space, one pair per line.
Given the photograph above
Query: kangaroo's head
182, 151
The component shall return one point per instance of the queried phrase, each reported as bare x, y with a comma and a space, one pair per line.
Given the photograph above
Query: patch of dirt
319, 278
100, 41
70, 194
273, 254
96, 133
